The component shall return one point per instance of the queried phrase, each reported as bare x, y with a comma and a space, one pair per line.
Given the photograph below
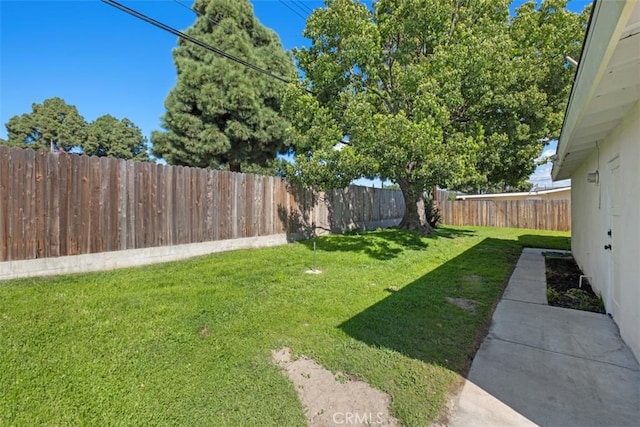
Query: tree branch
454, 18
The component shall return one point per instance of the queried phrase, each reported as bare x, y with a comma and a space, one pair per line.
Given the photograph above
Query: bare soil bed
563, 285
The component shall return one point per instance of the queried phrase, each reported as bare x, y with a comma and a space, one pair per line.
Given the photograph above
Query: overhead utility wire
300, 5
293, 10
193, 9
192, 39
214, 21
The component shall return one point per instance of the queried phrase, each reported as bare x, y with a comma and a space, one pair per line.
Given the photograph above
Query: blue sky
106, 62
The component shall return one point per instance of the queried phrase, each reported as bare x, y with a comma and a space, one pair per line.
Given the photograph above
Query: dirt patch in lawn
334, 399
465, 304
563, 285
472, 278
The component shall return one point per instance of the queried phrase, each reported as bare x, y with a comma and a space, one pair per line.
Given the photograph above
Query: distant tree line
54, 123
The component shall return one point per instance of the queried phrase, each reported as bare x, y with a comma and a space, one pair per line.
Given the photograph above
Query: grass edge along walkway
190, 341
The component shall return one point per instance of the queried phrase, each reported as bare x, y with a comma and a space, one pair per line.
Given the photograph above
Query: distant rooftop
524, 193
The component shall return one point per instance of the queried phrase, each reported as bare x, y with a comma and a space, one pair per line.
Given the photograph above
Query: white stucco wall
591, 220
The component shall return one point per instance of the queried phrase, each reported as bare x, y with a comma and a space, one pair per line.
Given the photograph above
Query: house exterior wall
592, 218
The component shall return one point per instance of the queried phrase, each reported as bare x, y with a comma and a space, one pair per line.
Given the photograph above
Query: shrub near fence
535, 214
54, 205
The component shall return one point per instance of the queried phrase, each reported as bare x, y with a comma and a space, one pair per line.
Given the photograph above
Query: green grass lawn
188, 343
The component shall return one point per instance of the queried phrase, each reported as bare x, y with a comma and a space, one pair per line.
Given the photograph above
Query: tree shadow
297, 220
449, 233
418, 320
382, 244
297, 224
545, 242
308, 213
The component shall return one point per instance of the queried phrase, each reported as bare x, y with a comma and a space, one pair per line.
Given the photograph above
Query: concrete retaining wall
136, 257
129, 257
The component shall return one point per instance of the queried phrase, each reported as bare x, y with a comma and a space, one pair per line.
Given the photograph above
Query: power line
293, 10
303, 7
192, 39
212, 20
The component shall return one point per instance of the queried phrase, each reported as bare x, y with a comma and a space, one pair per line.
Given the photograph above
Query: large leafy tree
52, 122
221, 113
426, 92
108, 136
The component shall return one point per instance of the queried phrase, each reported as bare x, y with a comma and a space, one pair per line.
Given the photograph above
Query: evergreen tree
108, 136
221, 113
52, 122
56, 122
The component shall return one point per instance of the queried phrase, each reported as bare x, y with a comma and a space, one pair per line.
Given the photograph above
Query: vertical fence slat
95, 214
16, 206
73, 203
84, 172
186, 211
170, 203
111, 205
29, 236
161, 210
66, 186
194, 212
219, 201
213, 206
4, 201
178, 205
53, 211
266, 224
40, 195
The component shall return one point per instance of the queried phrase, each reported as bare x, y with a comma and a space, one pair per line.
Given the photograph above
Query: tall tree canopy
52, 122
221, 113
426, 92
108, 136
56, 122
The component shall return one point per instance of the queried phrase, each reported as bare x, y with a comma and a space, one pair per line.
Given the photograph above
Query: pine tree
221, 113
108, 136
52, 122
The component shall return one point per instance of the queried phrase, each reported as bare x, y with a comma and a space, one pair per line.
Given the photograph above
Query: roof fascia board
608, 21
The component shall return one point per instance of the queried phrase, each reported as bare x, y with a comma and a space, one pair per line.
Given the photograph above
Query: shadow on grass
419, 322
545, 242
450, 233
382, 244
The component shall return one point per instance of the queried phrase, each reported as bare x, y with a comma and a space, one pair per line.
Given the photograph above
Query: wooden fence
55, 204
534, 214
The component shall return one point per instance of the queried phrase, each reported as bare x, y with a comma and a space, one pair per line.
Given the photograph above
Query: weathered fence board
57, 204
534, 214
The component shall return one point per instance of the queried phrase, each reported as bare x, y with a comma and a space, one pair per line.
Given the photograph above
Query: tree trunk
235, 167
414, 216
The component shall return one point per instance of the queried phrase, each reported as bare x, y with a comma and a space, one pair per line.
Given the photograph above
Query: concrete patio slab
476, 407
560, 330
553, 389
547, 365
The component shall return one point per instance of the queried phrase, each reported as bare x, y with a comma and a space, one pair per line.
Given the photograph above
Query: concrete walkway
548, 366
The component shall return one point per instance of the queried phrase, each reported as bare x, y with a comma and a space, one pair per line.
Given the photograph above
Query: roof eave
603, 33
